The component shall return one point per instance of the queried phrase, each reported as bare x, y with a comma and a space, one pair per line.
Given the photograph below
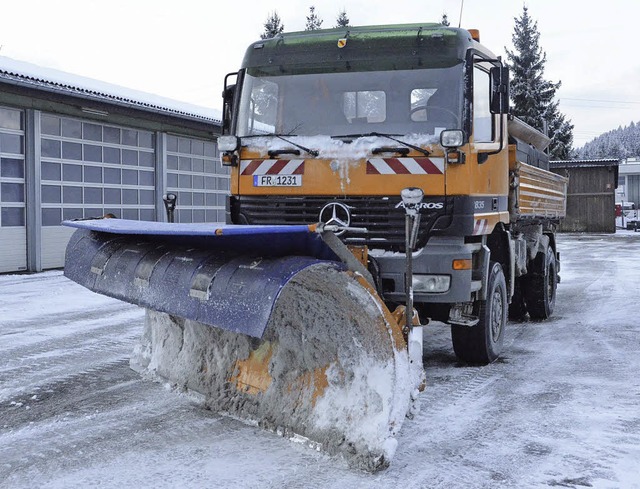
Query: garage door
13, 235
89, 170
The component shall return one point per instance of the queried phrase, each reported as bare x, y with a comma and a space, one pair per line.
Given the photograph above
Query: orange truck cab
331, 125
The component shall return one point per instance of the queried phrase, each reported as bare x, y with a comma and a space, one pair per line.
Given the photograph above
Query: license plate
277, 180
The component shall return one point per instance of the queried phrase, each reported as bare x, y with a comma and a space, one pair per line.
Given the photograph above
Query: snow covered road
561, 408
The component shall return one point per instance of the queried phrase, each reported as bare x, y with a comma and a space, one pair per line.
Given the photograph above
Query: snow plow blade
300, 345
190, 271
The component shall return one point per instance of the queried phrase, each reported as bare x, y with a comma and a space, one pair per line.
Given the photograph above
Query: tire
482, 343
540, 288
518, 307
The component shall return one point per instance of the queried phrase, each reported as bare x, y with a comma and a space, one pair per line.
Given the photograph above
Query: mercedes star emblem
336, 214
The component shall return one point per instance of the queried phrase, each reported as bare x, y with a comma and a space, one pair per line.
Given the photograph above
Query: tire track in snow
77, 392
467, 392
74, 341
19, 280
452, 389
17, 380
69, 333
115, 420
467, 380
47, 334
79, 313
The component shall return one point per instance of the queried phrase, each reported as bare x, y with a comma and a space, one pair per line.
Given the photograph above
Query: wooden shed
591, 194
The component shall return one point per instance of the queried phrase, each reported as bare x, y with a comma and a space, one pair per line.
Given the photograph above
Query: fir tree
313, 21
561, 132
531, 94
342, 20
272, 27
445, 20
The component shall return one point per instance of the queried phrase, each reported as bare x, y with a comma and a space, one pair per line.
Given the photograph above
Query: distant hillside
623, 142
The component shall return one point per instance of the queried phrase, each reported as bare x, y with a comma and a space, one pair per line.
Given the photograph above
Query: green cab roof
361, 48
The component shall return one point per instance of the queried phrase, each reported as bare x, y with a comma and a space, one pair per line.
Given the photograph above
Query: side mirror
227, 108
228, 94
499, 90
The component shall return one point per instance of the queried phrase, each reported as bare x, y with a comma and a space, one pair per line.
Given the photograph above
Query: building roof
630, 169
584, 163
46, 79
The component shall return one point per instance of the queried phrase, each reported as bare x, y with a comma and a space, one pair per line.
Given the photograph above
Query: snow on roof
39, 77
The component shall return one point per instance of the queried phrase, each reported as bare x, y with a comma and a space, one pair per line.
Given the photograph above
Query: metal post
170, 205
411, 201
33, 182
408, 285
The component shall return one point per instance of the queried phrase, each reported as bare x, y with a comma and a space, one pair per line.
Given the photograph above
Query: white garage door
89, 170
13, 235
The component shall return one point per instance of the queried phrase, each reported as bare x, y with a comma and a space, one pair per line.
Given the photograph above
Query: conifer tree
561, 132
532, 95
342, 20
272, 27
623, 142
313, 21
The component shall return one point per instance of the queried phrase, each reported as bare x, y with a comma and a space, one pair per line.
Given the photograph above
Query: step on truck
378, 184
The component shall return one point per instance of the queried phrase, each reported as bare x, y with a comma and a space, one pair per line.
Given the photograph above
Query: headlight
433, 284
227, 143
452, 138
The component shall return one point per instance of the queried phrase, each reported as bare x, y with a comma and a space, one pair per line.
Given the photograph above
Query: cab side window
482, 118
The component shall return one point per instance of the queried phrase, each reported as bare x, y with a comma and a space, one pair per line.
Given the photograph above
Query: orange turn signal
461, 264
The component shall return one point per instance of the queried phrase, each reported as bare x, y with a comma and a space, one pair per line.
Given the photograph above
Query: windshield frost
333, 104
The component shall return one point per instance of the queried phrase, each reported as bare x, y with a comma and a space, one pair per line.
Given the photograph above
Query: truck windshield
393, 102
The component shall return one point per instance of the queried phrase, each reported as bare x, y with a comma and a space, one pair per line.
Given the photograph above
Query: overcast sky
183, 48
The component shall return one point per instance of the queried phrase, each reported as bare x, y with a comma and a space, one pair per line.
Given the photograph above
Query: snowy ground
560, 409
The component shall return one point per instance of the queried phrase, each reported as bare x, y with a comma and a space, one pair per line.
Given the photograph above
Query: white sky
182, 49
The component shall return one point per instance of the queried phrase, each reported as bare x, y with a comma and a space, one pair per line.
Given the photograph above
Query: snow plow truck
378, 184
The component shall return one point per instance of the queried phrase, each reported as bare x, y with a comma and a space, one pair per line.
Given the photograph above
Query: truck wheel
482, 343
517, 308
540, 288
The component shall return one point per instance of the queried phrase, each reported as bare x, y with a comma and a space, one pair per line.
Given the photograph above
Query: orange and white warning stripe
405, 166
272, 167
481, 226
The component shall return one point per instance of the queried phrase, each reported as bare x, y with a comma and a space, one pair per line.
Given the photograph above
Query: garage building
73, 147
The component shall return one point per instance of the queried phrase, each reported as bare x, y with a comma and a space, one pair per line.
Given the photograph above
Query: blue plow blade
226, 276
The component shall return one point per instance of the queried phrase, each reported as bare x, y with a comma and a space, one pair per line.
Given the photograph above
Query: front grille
384, 222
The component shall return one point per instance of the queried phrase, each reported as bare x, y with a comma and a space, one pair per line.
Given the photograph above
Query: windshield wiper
312, 152
382, 135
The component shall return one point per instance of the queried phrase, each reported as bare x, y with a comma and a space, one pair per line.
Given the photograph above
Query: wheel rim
497, 313
551, 284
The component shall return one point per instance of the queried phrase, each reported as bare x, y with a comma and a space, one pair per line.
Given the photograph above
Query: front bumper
435, 258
